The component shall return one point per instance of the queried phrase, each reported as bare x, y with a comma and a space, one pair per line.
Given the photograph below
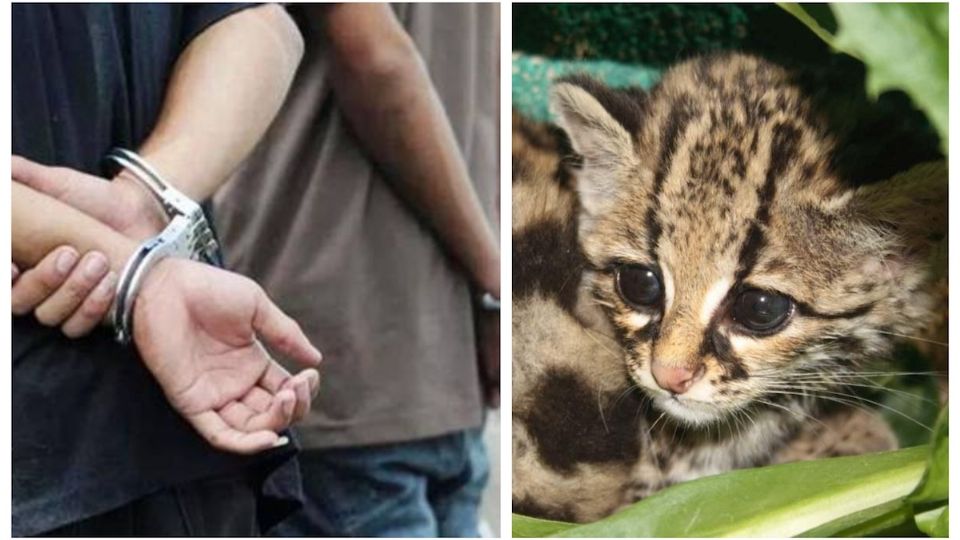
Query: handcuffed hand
197, 330
196, 326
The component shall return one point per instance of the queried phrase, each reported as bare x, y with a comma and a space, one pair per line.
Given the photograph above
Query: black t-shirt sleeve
197, 17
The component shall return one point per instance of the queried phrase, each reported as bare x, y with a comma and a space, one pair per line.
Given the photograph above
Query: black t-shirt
91, 429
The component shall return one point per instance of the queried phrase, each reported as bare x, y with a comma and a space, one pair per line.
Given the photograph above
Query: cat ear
911, 207
582, 107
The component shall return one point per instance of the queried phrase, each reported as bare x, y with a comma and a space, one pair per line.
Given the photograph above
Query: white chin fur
692, 413
684, 410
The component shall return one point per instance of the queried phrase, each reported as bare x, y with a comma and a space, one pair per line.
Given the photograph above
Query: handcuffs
188, 235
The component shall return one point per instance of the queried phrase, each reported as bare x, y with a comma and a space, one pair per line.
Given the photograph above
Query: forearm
41, 223
389, 101
226, 88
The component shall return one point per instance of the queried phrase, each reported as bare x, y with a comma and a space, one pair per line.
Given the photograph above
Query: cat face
735, 268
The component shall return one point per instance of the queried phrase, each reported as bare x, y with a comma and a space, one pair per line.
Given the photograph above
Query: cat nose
675, 379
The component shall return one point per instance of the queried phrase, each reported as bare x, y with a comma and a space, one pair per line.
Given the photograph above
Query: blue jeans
424, 488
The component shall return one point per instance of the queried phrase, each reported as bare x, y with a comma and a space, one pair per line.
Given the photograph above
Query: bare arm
226, 88
224, 91
35, 234
386, 95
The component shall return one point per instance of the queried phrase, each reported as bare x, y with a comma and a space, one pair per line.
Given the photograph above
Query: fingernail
66, 260
106, 286
95, 266
281, 441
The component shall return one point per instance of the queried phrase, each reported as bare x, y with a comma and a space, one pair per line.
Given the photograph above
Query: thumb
283, 333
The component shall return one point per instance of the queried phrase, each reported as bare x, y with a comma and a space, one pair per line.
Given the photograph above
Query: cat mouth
680, 407
687, 410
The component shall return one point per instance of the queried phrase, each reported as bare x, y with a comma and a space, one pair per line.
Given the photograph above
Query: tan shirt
312, 220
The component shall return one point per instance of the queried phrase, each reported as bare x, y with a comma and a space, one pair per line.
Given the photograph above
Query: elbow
290, 36
285, 33
382, 59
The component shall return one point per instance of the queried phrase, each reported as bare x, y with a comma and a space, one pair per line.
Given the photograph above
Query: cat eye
761, 311
639, 285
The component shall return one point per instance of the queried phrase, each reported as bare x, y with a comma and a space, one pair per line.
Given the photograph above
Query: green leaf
904, 46
801, 13
935, 485
877, 520
934, 522
528, 527
942, 528
830, 494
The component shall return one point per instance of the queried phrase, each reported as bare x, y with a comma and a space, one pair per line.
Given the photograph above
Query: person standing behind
366, 213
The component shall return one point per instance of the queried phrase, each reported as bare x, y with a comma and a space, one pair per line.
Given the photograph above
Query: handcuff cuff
188, 235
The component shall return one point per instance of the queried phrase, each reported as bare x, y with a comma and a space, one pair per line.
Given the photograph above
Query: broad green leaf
801, 13
904, 46
942, 528
934, 522
528, 527
935, 485
809, 495
869, 522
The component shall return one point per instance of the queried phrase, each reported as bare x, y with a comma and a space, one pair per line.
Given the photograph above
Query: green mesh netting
650, 34
532, 76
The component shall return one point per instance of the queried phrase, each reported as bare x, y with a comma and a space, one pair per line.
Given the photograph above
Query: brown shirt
311, 219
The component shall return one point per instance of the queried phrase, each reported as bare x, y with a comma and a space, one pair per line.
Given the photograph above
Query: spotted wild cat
696, 289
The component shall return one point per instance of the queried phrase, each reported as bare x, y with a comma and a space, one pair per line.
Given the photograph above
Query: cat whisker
593, 336
858, 374
791, 411
603, 419
881, 388
854, 400
915, 338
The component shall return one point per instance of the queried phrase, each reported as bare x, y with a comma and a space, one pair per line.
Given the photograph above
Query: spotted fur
721, 177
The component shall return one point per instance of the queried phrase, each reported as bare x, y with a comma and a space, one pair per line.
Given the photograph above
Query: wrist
488, 277
119, 249
143, 215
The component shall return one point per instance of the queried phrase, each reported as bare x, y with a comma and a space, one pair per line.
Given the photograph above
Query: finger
14, 271
277, 416
60, 305
220, 435
304, 399
36, 284
304, 385
274, 377
283, 333
257, 399
93, 309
